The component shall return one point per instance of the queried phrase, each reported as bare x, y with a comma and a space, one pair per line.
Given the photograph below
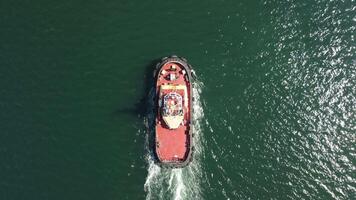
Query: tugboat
173, 124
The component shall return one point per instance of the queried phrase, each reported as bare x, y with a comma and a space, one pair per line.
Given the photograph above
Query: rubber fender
191, 155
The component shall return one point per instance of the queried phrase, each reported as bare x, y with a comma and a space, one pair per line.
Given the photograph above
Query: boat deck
173, 144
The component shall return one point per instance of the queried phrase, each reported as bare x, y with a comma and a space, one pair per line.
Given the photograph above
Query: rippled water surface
276, 97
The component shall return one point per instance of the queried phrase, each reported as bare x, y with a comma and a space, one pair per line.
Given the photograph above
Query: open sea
275, 116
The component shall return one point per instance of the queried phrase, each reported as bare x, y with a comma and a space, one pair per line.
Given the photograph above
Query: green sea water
276, 90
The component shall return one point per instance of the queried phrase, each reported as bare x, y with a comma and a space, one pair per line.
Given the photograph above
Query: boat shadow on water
143, 108
140, 108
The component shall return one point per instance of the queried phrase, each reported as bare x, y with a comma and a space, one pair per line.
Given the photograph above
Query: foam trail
176, 184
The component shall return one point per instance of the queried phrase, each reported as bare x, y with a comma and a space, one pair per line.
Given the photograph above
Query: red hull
173, 146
